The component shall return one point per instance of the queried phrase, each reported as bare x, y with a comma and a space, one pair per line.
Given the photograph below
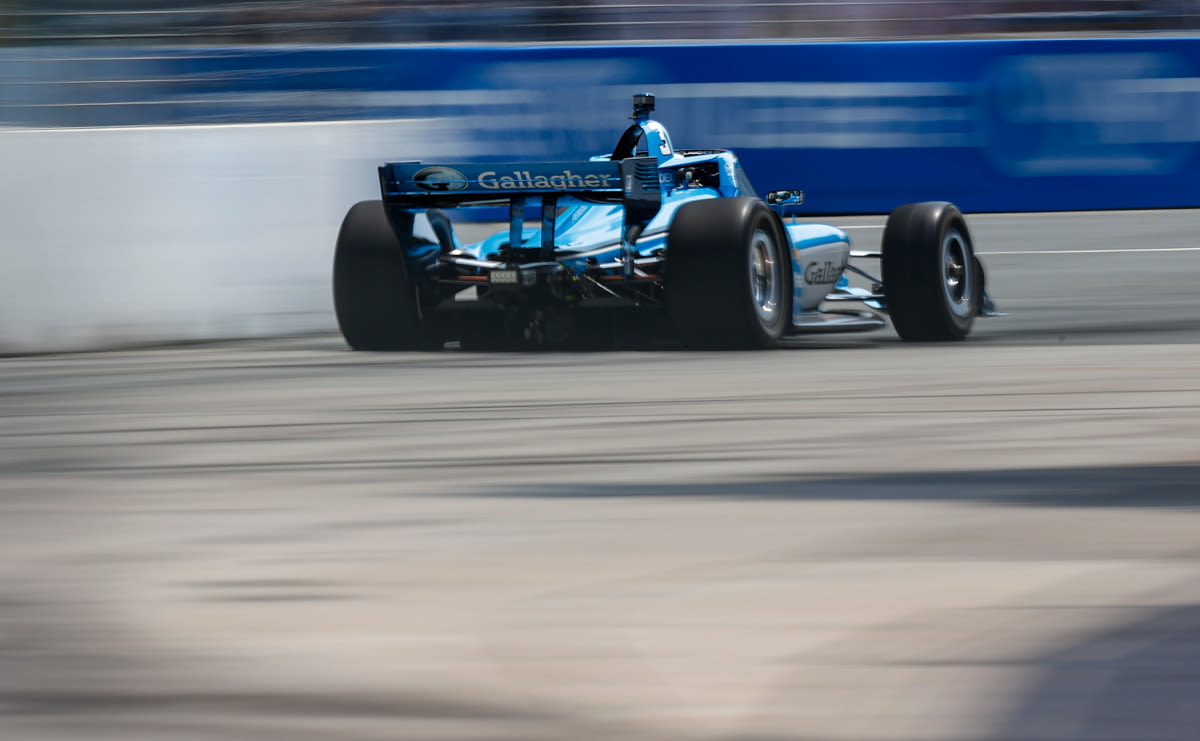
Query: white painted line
976, 219
1073, 214
1094, 252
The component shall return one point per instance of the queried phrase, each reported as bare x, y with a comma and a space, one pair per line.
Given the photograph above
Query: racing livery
645, 240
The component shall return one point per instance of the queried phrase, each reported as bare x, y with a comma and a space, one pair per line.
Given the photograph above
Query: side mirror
785, 198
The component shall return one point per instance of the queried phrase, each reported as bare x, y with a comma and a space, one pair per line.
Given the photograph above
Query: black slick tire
375, 301
728, 274
931, 278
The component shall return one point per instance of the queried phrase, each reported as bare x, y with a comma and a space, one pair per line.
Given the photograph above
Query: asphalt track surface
850, 538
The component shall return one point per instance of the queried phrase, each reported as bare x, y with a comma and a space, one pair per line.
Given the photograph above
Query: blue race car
648, 240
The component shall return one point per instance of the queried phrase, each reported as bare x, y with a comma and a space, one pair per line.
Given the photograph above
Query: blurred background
74, 63
236, 134
460, 21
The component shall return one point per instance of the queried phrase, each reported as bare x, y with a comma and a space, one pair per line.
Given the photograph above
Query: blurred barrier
114, 237
129, 234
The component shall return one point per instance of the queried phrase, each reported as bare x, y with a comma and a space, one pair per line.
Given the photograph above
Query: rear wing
632, 182
418, 185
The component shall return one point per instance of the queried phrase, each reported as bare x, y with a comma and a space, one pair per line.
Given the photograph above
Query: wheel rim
766, 279
958, 279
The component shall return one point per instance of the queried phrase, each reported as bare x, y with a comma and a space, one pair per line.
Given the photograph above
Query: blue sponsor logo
440, 179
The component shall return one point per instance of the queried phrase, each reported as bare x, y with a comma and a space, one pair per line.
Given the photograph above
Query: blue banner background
1006, 125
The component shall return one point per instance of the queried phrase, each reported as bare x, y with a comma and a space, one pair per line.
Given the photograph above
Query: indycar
644, 240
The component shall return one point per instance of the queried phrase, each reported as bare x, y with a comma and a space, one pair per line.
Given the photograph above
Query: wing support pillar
642, 200
516, 222
549, 209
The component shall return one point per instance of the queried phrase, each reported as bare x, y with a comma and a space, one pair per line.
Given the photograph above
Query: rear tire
931, 278
728, 274
376, 302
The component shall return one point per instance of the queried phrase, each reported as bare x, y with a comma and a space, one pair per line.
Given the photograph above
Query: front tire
931, 278
376, 302
728, 274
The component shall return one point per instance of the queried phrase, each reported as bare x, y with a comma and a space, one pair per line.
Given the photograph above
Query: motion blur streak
289, 540
465, 21
851, 538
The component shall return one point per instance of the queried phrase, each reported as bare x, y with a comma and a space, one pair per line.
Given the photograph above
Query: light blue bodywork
595, 229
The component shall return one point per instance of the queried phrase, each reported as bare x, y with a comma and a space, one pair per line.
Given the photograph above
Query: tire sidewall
764, 221
958, 314
916, 281
376, 303
709, 292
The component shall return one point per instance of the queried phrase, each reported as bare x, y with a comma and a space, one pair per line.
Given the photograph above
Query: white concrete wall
111, 237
